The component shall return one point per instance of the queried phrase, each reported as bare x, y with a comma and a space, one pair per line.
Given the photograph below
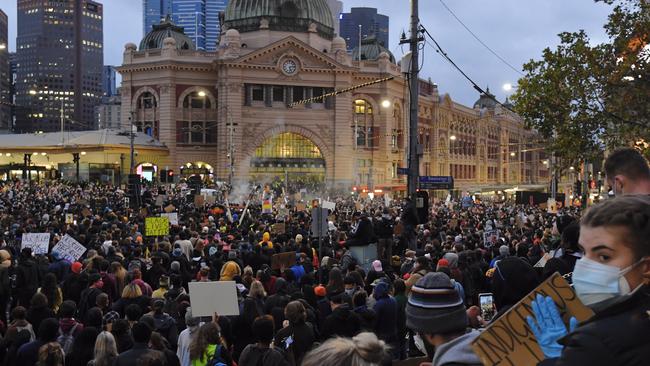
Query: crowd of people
126, 301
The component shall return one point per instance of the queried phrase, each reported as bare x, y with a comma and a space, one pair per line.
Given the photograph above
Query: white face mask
595, 282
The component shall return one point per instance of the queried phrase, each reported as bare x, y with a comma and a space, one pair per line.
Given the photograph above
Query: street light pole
414, 87
132, 136
62, 124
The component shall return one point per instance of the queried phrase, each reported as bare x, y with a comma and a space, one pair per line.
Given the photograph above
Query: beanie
504, 250
175, 266
320, 291
434, 306
76, 267
443, 263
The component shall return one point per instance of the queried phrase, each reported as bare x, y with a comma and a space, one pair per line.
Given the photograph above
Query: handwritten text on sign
69, 248
509, 340
156, 226
39, 242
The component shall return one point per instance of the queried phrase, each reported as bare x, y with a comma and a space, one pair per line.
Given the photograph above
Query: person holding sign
612, 279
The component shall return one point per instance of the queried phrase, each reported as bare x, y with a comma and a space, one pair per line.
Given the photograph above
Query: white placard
206, 298
39, 242
329, 205
172, 217
69, 248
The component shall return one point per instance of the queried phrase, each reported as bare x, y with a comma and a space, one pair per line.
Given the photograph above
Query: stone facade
205, 106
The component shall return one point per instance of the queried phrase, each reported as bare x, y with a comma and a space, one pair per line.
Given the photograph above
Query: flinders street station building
250, 112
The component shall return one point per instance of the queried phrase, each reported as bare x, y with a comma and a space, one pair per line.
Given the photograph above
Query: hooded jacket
266, 238
458, 351
386, 310
229, 271
341, 322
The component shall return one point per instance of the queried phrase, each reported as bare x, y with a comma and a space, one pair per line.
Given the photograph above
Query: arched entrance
198, 168
147, 171
288, 155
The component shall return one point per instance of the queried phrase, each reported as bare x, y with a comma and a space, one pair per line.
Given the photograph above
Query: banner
172, 217
491, 237
267, 206
38, 242
156, 226
69, 248
510, 341
208, 298
329, 205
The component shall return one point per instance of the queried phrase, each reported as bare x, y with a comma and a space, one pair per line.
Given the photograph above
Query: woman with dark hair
298, 330
512, 279
251, 308
263, 352
52, 291
38, 311
336, 283
206, 347
83, 348
159, 343
121, 332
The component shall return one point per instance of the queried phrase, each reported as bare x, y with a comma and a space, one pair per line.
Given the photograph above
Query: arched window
365, 132
146, 118
396, 140
198, 124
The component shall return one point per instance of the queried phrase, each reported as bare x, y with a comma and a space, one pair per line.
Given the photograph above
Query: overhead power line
479, 40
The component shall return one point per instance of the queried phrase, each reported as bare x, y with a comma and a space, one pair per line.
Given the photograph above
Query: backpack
216, 359
66, 339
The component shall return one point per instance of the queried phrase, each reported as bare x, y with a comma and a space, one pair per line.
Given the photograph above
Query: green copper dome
282, 15
371, 48
166, 29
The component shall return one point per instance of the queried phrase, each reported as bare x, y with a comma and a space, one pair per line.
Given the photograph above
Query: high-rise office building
59, 57
199, 18
5, 74
372, 25
336, 7
109, 81
153, 11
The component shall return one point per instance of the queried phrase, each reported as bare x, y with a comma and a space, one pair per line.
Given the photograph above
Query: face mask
595, 282
349, 291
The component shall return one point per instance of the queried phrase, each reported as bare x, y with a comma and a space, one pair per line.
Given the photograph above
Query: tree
584, 98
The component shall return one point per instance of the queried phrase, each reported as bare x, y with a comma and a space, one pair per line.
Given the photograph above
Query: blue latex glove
549, 327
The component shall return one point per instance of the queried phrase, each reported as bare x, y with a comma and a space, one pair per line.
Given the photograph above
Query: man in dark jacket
362, 233
384, 228
386, 310
89, 295
27, 279
343, 321
163, 323
409, 221
48, 331
60, 266
140, 350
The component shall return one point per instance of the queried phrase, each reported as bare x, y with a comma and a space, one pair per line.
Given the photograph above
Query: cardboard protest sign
69, 218
283, 260
199, 200
160, 200
207, 298
490, 237
156, 226
453, 223
509, 340
69, 248
300, 207
279, 228
38, 242
86, 212
329, 205
211, 199
170, 208
172, 217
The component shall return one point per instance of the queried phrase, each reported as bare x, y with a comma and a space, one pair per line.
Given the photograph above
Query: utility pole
132, 136
414, 91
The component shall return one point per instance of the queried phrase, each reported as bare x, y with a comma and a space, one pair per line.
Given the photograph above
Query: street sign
402, 171
436, 182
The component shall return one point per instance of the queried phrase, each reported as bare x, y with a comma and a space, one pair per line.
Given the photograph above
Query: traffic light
170, 176
163, 176
577, 188
133, 189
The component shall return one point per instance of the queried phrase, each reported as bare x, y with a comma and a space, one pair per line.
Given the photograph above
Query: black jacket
133, 356
342, 322
384, 228
27, 281
364, 234
617, 335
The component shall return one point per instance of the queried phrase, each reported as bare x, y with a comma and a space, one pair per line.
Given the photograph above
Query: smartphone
486, 300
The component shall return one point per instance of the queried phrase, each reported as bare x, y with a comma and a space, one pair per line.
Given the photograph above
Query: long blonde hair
105, 349
131, 291
120, 275
257, 290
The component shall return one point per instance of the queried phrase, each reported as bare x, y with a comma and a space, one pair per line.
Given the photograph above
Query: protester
206, 348
141, 337
263, 352
364, 349
298, 336
105, 351
627, 172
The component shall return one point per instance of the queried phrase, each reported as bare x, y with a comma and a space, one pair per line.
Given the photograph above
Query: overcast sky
517, 30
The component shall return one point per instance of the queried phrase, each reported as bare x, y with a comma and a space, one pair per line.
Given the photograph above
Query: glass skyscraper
199, 18
372, 24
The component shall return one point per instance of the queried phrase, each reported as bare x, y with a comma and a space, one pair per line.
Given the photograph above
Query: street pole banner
38, 242
207, 298
69, 248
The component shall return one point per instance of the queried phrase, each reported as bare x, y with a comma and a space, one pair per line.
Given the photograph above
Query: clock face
289, 67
